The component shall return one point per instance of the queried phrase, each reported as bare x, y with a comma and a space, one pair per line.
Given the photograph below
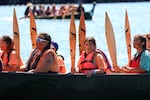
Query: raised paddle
128, 36
82, 33
111, 41
33, 31
16, 37
72, 39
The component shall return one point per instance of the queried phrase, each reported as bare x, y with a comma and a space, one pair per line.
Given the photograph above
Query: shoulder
146, 53
13, 52
99, 56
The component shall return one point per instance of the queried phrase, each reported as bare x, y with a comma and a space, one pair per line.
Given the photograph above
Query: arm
100, 62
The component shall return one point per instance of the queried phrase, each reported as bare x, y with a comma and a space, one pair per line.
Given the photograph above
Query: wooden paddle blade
110, 41
72, 38
16, 37
128, 36
82, 33
33, 30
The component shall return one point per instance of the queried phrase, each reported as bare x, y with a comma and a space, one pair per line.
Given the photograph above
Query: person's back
26, 13
34, 10
48, 11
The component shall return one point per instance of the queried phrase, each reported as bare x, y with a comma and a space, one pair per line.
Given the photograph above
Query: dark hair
90, 39
48, 38
7, 39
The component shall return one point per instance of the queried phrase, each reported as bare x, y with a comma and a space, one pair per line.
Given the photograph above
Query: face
3, 45
137, 43
148, 41
41, 42
89, 47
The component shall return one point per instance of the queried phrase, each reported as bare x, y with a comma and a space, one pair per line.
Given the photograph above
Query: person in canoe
80, 8
140, 62
42, 58
148, 41
8, 54
54, 46
93, 60
26, 13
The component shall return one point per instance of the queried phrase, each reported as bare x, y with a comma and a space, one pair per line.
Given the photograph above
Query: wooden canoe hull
74, 87
87, 15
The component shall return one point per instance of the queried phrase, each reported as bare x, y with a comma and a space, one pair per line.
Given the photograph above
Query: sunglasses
40, 40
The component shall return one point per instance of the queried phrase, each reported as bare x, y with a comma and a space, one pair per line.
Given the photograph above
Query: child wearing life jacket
140, 62
60, 58
8, 55
91, 60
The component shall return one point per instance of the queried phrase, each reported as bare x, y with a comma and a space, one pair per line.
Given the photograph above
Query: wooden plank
16, 37
72, 39
82, 33
111, 43
33, 30
128, 36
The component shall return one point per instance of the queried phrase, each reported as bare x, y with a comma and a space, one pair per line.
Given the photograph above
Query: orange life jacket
87, 62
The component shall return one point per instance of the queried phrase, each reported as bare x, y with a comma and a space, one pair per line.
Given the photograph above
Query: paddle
16, 38
72, 39
93, 8
33, 31
111, 41
82, 33
128, 36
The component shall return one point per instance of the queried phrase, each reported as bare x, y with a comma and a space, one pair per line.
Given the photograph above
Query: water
139, 17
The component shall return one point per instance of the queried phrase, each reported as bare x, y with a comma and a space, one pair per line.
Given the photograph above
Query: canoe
88, 15
24, 86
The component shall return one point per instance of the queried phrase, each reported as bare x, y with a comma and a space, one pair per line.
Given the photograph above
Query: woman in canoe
92, 60
140, 62
148, 41
8, 55
42, 59
60, 58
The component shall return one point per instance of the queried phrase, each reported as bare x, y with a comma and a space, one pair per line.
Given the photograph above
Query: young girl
8, 55
140, 62
91, 61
